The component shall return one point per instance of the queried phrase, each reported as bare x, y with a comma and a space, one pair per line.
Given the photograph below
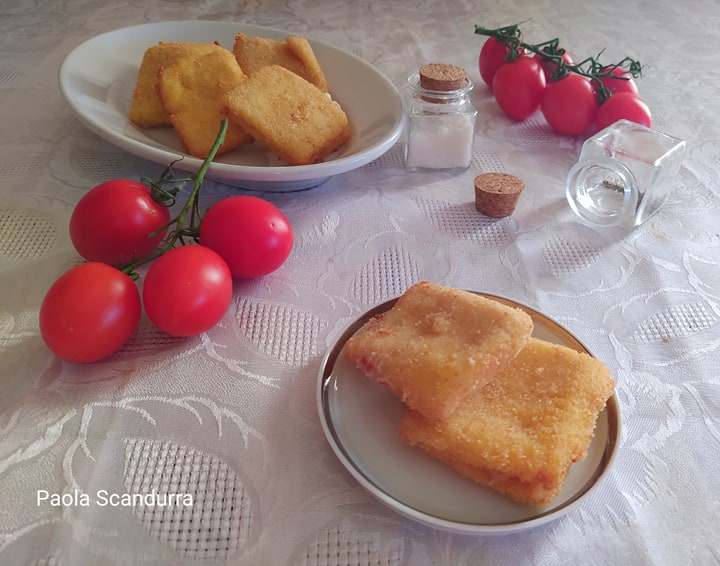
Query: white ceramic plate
97, 79
360, 419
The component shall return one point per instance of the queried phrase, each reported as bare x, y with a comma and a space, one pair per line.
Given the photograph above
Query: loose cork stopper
497, 194
442, 76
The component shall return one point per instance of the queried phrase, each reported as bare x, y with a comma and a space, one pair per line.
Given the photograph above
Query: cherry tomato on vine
112, 221
251, 234
492, 57
519, 87
549, 67
570, 104
89, 312
624, 105
187, 290
618, 86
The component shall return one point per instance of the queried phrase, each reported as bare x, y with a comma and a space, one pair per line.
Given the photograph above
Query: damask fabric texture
229, 418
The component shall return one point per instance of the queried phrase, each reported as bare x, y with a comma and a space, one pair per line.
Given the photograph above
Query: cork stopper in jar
442, 77
497, 194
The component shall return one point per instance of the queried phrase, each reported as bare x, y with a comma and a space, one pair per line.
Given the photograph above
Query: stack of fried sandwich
271, 91
505, 409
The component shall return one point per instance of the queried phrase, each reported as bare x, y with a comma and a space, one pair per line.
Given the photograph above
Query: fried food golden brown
192, 91
146, 108
519, 433
295, 54
436, 345
292, 116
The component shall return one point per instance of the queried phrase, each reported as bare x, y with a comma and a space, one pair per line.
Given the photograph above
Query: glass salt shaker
624, 174
441, 118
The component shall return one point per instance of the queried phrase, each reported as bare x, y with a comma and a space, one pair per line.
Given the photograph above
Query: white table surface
236, 405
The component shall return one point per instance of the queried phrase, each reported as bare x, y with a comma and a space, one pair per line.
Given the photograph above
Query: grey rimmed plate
360, 420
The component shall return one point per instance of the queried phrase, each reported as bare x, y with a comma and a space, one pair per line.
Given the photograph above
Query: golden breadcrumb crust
146, 107
519, 433
437, 344
292, 116
295, 54
193, 90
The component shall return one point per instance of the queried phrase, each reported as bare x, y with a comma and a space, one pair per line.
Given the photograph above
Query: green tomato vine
186, 225
551, 51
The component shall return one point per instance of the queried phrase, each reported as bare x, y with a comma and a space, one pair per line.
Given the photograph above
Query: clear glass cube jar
440, 126
624, 174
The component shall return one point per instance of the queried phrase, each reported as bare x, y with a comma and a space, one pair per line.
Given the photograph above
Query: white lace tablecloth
231, 417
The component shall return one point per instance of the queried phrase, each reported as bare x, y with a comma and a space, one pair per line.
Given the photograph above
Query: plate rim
227, 171
609, 454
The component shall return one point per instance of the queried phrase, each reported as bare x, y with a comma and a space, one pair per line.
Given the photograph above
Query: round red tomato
549, 67
570, 104
112, 221
618, 86
492, 57
624, 105
89, 312
519, 86
187, 290
251, 234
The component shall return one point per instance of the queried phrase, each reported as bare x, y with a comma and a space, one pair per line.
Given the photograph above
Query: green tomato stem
550, 50
181, 229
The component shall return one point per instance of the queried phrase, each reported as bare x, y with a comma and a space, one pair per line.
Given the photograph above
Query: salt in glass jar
441, 117
624, 174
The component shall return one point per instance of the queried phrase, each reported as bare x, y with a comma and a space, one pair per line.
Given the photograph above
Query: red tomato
187, 290
89, 312
252, 235
519, 87
549, 67
112, 221
570, 104
492, 57
624, 105
617, 86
